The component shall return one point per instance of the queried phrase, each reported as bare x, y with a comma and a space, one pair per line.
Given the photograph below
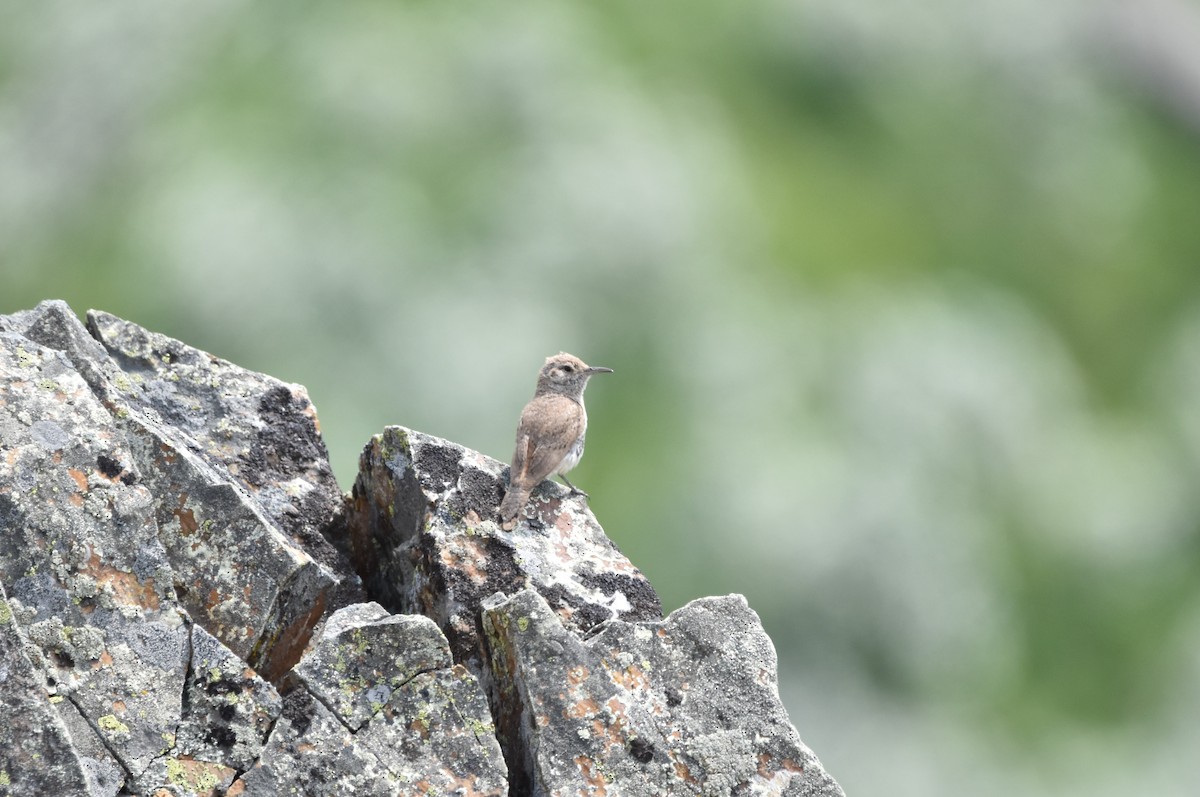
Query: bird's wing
549, 426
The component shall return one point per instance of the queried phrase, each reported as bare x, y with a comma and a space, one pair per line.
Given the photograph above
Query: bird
551, 432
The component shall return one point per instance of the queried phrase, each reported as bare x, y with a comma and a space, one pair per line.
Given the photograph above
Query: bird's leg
574, 490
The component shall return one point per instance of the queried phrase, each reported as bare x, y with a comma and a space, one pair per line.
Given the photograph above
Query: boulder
242, 490
382, 710
104, 576
686, 705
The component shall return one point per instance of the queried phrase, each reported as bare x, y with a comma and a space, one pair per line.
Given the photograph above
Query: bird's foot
574, 490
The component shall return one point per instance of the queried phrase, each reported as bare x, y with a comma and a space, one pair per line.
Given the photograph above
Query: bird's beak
598, 369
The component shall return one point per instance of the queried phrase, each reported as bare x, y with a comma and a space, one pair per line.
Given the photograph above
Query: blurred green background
903, 301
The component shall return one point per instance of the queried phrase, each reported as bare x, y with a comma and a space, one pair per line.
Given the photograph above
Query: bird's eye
569, 368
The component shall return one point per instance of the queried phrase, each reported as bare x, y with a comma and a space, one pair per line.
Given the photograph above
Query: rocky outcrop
188, 606
422, 532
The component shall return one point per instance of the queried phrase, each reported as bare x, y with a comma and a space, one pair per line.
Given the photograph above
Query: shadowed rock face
184, 606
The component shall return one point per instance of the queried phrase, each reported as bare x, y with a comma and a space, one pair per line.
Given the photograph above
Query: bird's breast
575, 452
573, 456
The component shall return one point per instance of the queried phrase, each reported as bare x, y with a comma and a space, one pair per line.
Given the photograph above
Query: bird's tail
511, 506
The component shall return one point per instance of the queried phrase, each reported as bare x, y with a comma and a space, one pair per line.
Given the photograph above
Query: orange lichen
420, 726
80, 479
466, 786
631, 678
196, 774
467, 558
681, 770
187, 521
591, 773
786, 764
582, 708
126, 588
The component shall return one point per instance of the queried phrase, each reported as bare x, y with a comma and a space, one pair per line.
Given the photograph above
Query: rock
256, 431
437, 737
311, 753
36, 753
83, 476
103, 774
425, 538
230, 562
87, 579
365, 655
242, 486
381, 697
230, 709
688, 705
174, 557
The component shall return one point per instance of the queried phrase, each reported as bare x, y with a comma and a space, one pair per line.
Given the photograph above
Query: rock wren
551, 432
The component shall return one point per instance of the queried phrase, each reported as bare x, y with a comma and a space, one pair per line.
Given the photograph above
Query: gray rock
132, 691
688, 705
365, 655
425, 538
311, 753
103, 774
437, 737
242, 489
226, 714
229, 708
169, 529
87, 579
172, 776
94, 588
258, 432
383, 710
36, 753
235, 572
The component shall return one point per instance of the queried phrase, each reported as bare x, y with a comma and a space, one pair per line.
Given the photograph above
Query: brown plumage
551, 433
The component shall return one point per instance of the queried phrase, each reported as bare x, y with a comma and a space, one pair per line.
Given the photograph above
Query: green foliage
901, 304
